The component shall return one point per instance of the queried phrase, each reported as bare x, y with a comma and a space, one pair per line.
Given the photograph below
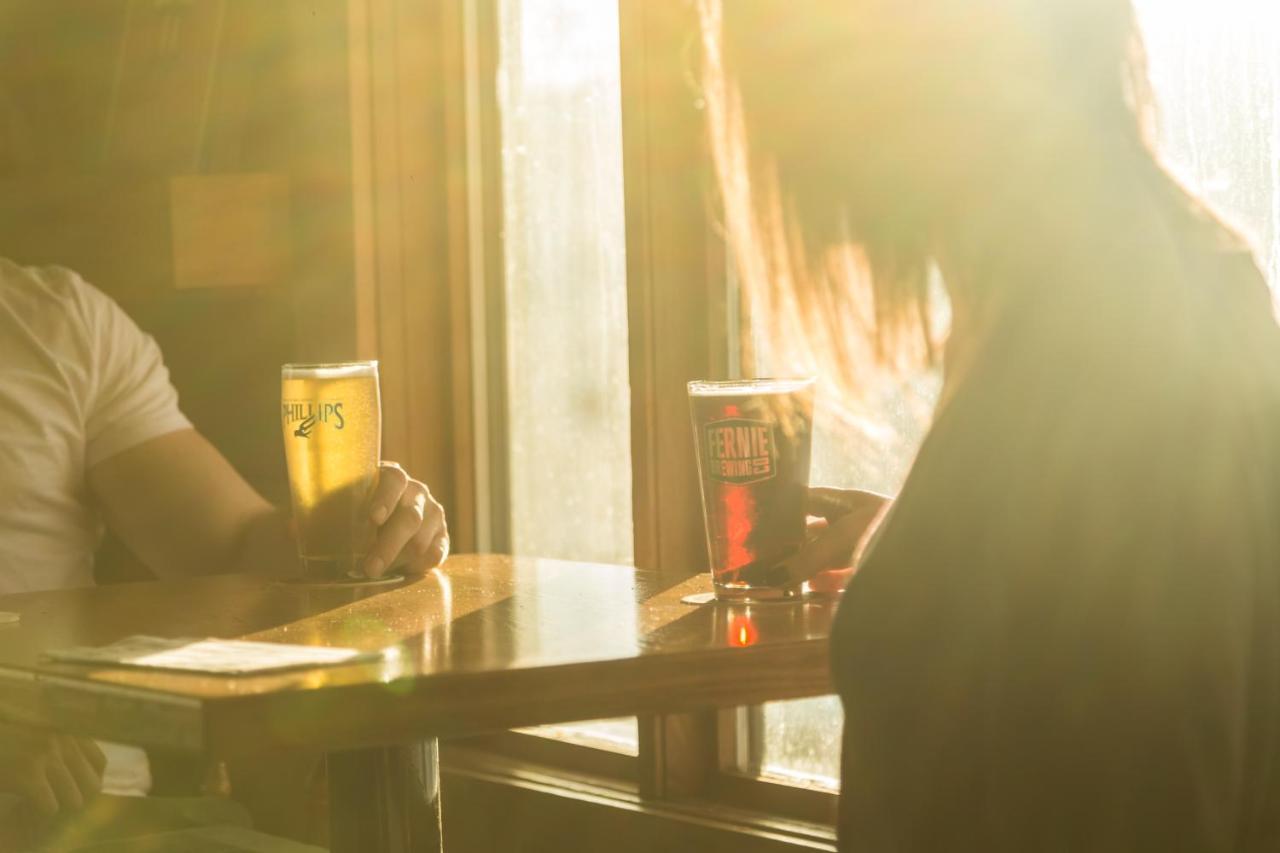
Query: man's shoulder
40, 294
42, 284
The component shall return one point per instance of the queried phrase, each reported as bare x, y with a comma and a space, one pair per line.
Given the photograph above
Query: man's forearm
179, 505
267, 546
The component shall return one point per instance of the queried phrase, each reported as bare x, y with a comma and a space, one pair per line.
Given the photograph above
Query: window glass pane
565, 273
568, 399
802, 742
1215, 65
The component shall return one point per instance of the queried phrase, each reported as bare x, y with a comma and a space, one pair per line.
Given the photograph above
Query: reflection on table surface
486, 642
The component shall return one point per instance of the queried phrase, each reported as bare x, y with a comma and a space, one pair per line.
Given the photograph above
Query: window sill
565, 809
554, 755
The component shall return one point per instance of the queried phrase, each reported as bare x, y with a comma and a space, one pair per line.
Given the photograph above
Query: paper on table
224, 657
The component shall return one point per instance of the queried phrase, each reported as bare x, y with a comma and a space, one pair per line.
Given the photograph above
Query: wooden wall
191, 158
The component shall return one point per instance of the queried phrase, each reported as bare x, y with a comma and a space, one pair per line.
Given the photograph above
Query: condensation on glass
1215, 65
568, 397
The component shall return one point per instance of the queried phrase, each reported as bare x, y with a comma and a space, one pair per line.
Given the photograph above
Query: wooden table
486, 643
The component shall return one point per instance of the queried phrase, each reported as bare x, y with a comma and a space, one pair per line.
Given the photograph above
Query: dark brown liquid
753, 452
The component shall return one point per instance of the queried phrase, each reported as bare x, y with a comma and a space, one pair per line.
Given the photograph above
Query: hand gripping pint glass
754, 440
331, 416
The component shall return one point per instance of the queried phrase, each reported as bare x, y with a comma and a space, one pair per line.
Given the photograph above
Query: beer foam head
741, 387
341, 370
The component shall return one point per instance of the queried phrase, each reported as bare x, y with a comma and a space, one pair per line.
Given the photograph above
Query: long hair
810, 109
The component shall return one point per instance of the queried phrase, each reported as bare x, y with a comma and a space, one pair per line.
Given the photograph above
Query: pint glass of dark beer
754, 439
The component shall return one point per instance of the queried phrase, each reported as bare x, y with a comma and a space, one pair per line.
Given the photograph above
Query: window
567, 391
1216, 70
567, 394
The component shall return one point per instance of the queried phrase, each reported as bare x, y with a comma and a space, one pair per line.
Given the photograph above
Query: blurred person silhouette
1064, 633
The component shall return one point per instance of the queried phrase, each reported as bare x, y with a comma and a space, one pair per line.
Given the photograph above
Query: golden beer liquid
332, 425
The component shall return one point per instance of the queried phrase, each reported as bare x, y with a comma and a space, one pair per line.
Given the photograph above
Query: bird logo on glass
304, 429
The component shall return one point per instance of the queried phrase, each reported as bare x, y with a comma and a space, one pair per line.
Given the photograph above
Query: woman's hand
840, 522
411, 530
56, 772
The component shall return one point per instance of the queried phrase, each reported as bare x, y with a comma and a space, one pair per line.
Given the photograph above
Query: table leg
385, 800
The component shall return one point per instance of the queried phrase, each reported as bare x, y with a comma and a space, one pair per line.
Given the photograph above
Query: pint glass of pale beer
754, 440
332, 424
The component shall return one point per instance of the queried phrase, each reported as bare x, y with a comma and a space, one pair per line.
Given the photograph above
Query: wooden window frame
683, 326
561, 809
747, 787
425, 143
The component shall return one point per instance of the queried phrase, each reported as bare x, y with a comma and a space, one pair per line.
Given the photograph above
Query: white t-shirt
79, 383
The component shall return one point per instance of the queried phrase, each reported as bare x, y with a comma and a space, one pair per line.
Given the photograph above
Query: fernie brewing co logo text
307, 415
740, 451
